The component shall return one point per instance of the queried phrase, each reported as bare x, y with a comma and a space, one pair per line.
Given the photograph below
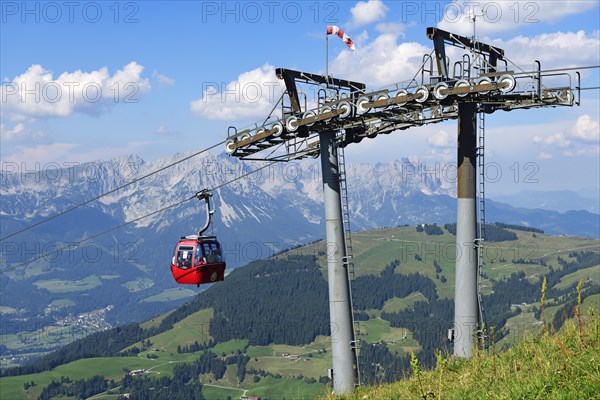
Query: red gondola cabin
198, 260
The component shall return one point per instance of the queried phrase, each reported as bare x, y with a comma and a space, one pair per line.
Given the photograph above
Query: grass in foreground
565, 365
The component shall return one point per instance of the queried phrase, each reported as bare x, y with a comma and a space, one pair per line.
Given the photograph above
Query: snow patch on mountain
227, 213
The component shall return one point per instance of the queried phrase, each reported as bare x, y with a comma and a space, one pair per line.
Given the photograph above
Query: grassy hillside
278, 369
373, 250
565, 365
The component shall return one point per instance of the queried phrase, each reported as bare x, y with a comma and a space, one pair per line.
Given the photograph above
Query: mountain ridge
379, 193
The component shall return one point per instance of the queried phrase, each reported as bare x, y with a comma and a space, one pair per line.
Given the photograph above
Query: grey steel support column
340, 312
465, 298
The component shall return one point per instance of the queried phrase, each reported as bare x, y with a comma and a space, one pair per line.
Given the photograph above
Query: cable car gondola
197, 258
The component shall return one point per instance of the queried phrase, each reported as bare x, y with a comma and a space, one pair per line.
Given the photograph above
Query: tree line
179, 387
493, 232
519, 227
432, 229
371, 291
276, 301
194, 347
80, 389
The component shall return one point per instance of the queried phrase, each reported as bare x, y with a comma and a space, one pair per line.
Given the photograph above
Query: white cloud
442, 139
557, 49
391, 27
553, 12
387, 59
380, 62
555, 140
43, 153
14, 132
495, 17
18, 133
586, 129
164, 131
37, 93
70, 152
163, 79
366, 12
436, 155
251, 95
585, 151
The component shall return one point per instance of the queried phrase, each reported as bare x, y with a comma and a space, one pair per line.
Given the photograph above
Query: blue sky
103, 79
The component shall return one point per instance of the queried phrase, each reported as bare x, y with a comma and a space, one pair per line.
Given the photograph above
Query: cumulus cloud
381, 61
366, 12
43, 153
251, 95
593, 151
494, 17
556, 140
442, 139
11, 133
586, 129
553, 50
391, 27
557, 49
582, 139
164, 131
18, 133
387, 59
70, 152
163, 79
37, 93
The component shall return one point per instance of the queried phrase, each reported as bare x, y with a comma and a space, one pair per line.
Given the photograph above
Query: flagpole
327, 56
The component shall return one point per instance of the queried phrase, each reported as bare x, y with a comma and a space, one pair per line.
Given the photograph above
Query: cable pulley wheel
462, 83
229, 149
278, 129
361, 106
399, 93
291, 124
506, 83
308, 114
440, 90
383, 96
484, 81
324, 110
346, 109
422, 94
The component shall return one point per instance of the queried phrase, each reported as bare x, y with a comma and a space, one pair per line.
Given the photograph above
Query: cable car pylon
349, 258
485, 81
343, 349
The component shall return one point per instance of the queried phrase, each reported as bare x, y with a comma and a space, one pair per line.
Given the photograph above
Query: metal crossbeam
383, 111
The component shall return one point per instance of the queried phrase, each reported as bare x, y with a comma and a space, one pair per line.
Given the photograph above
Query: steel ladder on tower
479, 242
480, 65
348, 260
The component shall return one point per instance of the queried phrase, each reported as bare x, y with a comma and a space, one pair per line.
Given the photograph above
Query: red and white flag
336, 30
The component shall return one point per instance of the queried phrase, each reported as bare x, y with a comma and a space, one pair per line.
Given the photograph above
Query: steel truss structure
433, 96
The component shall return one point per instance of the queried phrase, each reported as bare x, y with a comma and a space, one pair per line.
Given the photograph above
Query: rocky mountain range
275, 208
